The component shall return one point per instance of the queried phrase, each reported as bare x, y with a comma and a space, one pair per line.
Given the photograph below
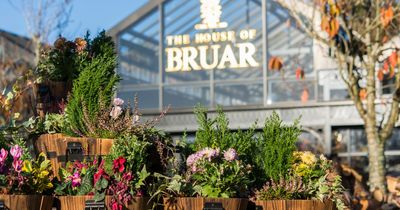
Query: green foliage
221, 179
308, 178
94, 86
132, 149
275, 147
62, 62
215, 133
175, 186
54, 123
84, 180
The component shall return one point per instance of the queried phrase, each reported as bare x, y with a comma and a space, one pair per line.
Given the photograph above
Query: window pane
284, 90
138, 51
288, 42
331, 86
232, 95
186, 97
148, 99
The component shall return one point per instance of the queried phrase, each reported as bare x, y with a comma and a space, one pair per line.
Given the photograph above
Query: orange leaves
363, 94
299, 73
329, 21
389, 66
275, 63
330, 26
380, 74
304, 95
386, 16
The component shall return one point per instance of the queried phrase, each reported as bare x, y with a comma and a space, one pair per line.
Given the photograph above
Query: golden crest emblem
210, 13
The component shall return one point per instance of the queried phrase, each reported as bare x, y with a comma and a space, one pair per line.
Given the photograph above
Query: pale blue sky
93, 15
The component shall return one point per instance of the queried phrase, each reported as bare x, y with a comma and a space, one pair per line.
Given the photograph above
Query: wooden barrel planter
61, 149
80, 202
50, 95
27, 202
199, 203
294, 205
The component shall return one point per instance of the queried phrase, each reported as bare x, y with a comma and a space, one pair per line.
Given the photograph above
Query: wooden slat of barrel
296, 205
27, 202
198, 203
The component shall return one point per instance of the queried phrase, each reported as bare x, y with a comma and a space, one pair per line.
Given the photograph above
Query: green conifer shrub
95, 85
215, 133
275, 146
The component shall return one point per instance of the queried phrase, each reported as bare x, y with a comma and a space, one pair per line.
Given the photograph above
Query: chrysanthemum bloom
80, 44
308, 158
60, 43
230, 155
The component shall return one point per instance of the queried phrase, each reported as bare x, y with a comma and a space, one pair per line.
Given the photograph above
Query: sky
93, 15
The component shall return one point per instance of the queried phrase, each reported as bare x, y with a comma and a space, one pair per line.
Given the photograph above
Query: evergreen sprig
275, 146
94, 86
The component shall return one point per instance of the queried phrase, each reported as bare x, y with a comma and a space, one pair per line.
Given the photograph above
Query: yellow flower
308, 158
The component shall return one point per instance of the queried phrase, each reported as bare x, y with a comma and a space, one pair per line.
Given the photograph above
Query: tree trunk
376, 158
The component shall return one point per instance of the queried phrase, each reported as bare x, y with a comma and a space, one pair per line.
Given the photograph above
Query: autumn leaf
334, 10
325, 23
299, 73
386, 16
363, 94
380, 74
386, 66
304, 95
393, 59
275, 63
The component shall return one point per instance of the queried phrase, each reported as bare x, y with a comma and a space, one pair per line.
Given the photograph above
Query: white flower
136, 119
116, 112
118, 102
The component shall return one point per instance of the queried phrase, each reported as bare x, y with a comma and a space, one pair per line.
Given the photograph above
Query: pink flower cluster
16, 153
116, 111
209, 154
230, 155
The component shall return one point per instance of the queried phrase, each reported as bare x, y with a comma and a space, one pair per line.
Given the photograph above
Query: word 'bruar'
210, 57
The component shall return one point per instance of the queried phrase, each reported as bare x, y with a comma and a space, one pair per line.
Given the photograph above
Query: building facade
216, 52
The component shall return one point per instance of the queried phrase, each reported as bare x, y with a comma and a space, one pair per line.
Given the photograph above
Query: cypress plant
95, 85
275, 146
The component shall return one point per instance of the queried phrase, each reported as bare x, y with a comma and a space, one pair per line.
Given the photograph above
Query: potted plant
292, 179
218, 179
24, 182
120, 180
92, 118
58, 66
218, 173
81, 181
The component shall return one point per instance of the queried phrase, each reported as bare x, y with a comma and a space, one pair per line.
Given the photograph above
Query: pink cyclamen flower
76, 179
17, 165
230, 155
116, 112
118, 102
16, 152
3, 155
